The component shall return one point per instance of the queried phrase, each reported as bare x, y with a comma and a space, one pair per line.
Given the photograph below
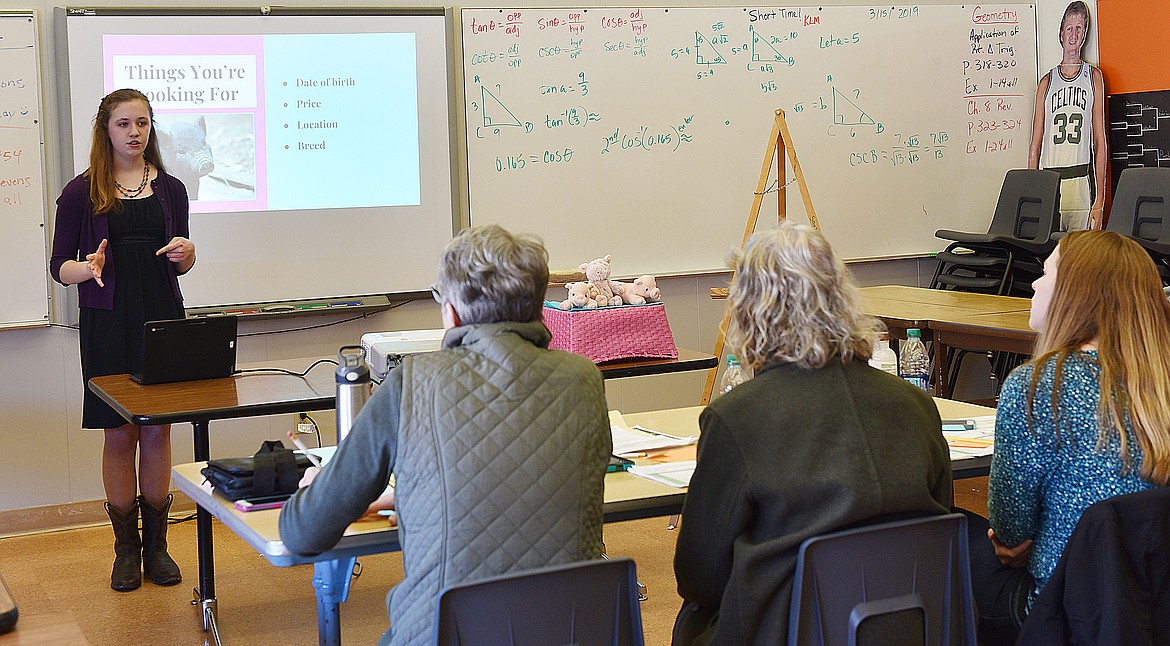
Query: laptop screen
187, 349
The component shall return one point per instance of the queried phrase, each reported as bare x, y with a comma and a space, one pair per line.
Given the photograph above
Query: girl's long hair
1107, 290
102, 193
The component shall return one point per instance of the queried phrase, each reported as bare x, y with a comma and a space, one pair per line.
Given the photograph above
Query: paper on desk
671, 474
627, 441
975, 443
325, 453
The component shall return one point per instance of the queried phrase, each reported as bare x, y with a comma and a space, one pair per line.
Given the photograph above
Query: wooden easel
776, 150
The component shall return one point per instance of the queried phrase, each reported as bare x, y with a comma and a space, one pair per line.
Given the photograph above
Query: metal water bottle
353, 387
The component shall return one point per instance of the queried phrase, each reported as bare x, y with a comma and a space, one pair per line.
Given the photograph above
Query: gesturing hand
96, 261
179, 250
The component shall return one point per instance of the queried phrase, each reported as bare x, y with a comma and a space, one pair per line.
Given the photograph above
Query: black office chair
905, 582
590, 602
1020, 235
1112, 582
1141, 210
1006, 259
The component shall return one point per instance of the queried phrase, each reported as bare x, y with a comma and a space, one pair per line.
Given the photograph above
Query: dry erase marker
301, 445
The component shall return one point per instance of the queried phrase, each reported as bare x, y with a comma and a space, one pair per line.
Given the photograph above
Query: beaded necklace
126, 192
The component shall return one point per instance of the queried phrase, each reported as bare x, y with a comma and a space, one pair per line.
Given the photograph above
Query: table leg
331, 580
207, 606
941, 370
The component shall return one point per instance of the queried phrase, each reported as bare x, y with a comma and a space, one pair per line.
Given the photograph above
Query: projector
385, 350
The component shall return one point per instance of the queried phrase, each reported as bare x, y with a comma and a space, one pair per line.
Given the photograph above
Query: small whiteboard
641, 131
22, 176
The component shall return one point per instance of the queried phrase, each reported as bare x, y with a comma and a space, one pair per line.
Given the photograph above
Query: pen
659, 433
301, 445
958, 424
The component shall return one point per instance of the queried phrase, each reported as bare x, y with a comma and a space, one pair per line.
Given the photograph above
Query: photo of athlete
1068, 128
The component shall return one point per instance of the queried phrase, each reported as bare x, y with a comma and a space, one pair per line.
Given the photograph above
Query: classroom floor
66, 574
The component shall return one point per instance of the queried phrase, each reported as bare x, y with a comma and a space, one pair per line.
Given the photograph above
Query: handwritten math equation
530, 73
906, 150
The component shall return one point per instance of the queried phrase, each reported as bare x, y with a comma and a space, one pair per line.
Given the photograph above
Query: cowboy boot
159, 566
127, 574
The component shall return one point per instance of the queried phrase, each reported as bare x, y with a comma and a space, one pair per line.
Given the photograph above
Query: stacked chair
1141, 210
1005, 260
1011, 253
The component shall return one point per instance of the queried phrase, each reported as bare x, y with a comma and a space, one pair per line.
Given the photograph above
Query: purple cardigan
78, 232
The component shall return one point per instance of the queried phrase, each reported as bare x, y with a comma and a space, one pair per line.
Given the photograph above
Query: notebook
187, 349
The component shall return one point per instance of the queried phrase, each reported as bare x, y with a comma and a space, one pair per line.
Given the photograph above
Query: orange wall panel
1131, 37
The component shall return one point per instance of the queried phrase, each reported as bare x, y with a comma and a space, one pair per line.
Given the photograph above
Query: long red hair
1108, 291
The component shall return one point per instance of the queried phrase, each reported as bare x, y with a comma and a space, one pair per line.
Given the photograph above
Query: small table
253, 394
199, 402
953, 319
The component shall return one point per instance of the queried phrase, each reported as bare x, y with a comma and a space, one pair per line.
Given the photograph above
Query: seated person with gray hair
498, 444
816, 442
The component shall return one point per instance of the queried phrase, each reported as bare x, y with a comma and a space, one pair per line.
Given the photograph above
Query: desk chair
1111, 585
904, 582
1025, 217
1141, 211
1005, 260
590, 602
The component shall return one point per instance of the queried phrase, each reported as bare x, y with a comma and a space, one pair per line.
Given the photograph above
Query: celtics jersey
1068, 141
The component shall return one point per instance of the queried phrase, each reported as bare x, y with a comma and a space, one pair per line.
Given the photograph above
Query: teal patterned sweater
1039, 486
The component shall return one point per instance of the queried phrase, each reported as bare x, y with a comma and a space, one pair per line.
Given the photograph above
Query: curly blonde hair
793, 301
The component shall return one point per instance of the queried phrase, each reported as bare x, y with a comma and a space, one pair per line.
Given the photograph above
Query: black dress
111, 340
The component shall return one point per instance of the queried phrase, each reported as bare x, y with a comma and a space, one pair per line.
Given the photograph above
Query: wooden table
251, 394
952, 319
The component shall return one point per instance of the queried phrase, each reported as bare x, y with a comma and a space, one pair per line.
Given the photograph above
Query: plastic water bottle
913, 364
884, 358
733, 375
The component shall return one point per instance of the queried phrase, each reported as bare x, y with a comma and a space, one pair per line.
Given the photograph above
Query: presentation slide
252, 123
316, 145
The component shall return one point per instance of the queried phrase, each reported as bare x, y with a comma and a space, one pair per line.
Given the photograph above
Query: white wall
47, 459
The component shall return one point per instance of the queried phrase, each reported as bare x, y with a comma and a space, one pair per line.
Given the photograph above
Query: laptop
187, 349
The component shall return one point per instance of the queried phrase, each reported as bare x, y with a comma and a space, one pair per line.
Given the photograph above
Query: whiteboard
642, 132
22, 175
